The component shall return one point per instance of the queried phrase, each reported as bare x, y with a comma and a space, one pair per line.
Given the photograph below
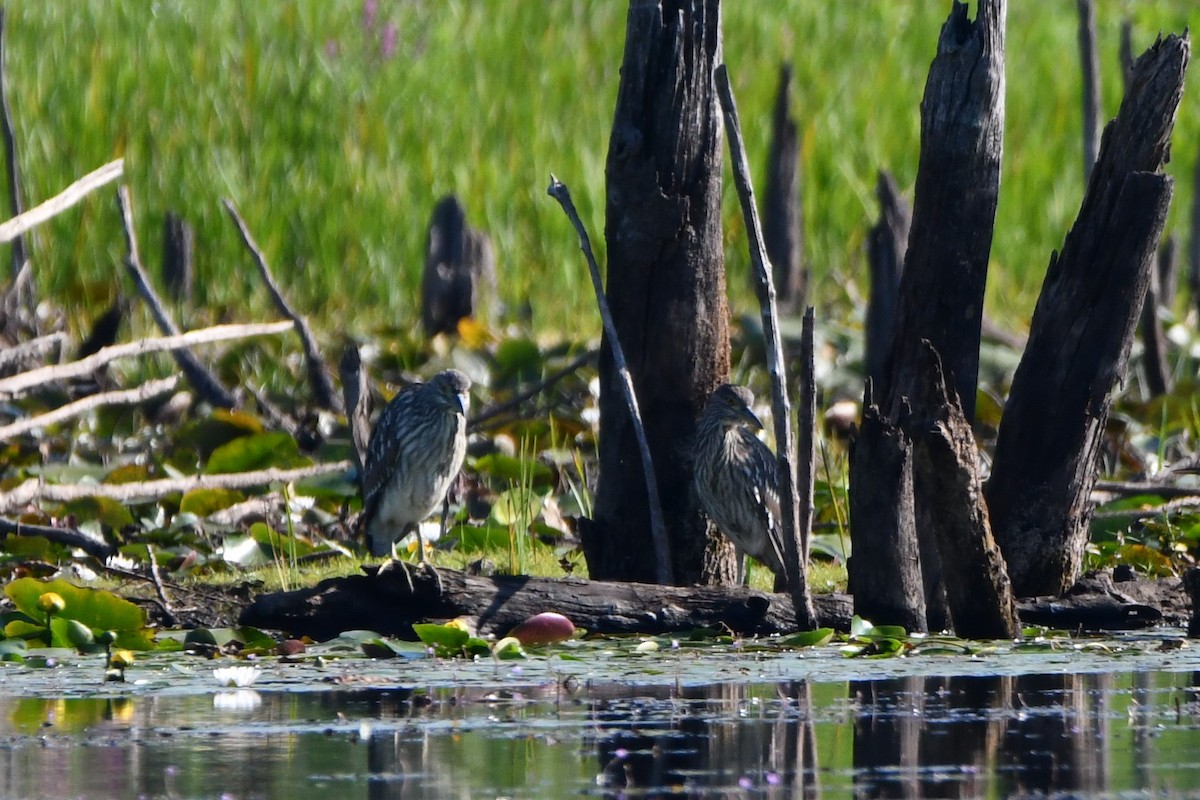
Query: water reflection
1067, 735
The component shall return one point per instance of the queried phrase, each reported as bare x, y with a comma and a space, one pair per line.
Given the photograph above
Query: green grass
335, 154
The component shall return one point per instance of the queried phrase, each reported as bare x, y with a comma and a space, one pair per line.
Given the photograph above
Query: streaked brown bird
737, 477
414, 454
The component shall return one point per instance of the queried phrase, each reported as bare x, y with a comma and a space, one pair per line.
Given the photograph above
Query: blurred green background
335, 125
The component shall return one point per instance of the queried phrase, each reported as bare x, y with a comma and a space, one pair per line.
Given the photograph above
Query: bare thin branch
318, 373
19, 384
207, 385
170, 618
65, 199
785, 440
33, 490
64, 536
489, 414
664, 572
123, 397
39, 350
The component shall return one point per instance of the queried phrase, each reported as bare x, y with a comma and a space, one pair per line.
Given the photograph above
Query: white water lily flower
236, 676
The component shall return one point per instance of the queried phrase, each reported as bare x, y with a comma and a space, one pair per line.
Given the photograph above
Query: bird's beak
464, 402
751, 419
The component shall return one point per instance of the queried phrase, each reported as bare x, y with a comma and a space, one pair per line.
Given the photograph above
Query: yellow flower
52, 603
121, 659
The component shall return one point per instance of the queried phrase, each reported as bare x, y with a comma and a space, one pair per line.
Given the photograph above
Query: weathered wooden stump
1046, 453
460, 269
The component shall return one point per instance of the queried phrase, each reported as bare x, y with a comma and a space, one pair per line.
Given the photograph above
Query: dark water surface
820, 726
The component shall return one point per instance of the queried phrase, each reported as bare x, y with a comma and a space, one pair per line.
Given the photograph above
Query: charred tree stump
178, 246
783, 215
460, 269
945, 265
1090, 63
1154, 340
958, 183
666, 288
945, 466
885, 567
1050, 435
1194, 256
887, 242
384, 602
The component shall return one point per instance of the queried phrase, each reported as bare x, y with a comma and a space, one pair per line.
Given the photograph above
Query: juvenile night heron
414, 454
737, 478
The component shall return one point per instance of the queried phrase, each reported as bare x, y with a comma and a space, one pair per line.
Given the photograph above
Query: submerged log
1046, 452
384, 602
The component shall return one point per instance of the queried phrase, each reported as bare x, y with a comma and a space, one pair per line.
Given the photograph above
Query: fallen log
383, 602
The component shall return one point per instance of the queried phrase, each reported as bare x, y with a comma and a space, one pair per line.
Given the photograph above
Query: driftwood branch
22, 382
39, 350
68, 537
318, 373
658, 529
785, 439
33, 490
207, 385
65, 199
124, 397
1161, 488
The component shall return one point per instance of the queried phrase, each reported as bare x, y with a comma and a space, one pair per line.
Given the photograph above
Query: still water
366, 730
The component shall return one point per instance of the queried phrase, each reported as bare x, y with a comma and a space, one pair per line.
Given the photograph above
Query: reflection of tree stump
460, 269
